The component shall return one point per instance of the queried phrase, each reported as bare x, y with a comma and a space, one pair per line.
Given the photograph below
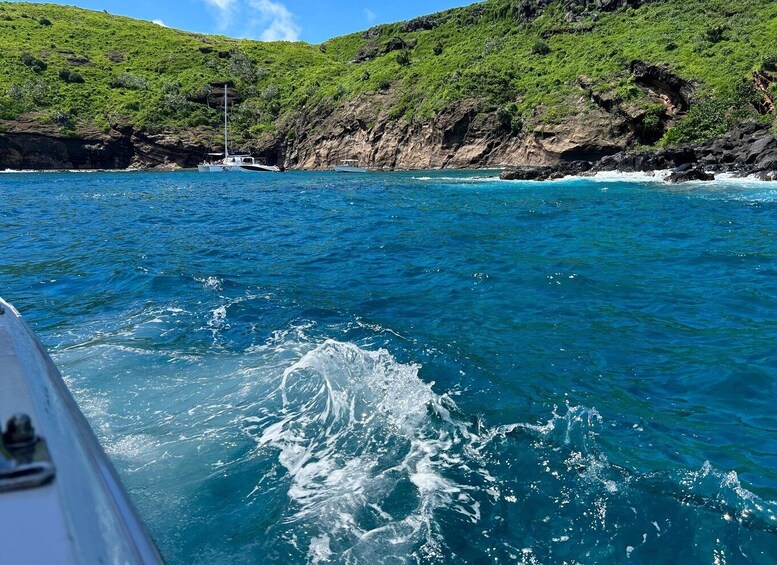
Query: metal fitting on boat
19, 432
25, 461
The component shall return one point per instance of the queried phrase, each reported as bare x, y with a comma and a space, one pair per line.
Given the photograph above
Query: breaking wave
368, 448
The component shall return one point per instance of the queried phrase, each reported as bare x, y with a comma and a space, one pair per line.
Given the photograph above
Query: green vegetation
73, 66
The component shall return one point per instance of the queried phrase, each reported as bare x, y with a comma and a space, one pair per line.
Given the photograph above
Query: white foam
343, 409
211, 283
722, 181
319, 549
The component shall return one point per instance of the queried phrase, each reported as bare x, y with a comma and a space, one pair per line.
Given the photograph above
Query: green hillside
522, 59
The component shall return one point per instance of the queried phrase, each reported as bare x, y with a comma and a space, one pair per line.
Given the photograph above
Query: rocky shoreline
747, 150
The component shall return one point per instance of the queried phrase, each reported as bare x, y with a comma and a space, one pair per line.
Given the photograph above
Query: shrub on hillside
240, 66
540, 47
510, 118
706, 120
31, 61
271, 92
712, 117
715, 34
403, 58
129, 82
29, 95
770, 64
71, 76
62, 119
651, 128
492, 45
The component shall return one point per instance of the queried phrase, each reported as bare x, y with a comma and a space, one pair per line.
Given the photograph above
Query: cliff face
464, 135
597, 123
28, 144
461, 136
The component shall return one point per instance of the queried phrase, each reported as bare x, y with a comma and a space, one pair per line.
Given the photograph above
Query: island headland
541, 87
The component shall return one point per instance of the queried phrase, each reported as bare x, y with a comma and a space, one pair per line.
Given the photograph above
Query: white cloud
159, 23
370, 15
223, 5
282, 23
226, 9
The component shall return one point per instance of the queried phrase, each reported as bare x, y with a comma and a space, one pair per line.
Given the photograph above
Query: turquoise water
416, 367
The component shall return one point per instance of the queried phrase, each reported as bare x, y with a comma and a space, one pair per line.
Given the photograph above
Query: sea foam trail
321, 450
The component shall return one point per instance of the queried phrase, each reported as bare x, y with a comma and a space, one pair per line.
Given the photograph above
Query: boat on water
349, 166
236, 161
60, 497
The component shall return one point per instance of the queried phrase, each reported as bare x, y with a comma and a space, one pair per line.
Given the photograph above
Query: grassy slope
489, 58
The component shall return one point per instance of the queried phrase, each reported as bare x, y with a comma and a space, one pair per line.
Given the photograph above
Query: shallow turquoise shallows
416, 367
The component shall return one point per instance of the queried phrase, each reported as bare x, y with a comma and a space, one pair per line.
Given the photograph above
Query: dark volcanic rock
643, 161
761, 147
395, 44
529, 10
687, 173
41, 152
28, 144
527, 173
424, 23
558, 171
748, 149
767, 161
671, 90
366, 53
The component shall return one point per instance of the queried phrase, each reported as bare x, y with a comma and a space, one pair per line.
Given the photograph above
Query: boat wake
370, 452
322, 450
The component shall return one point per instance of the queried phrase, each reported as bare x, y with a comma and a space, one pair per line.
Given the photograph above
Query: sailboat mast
226, 145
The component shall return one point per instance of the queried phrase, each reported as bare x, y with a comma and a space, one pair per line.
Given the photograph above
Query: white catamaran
61, 500
236, 161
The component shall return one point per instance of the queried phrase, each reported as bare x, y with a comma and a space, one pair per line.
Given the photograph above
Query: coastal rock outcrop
561, 170
688, 173
26, 143
749, 149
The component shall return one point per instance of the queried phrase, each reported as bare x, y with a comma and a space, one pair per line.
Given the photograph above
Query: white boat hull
349, 169
210, 168
82, 514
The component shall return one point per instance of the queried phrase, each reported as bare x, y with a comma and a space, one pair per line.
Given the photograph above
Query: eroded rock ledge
749, 149
27, 144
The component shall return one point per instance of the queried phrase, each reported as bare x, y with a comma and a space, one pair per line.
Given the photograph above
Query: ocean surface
416, 367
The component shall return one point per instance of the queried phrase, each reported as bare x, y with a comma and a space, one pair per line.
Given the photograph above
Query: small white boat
60, 498
236, 161
349, 166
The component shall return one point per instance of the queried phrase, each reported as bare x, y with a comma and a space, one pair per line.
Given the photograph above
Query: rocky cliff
26, 143
749, 149
597, 123
500, 83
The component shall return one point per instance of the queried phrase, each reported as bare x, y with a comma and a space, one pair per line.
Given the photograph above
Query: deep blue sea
416, 367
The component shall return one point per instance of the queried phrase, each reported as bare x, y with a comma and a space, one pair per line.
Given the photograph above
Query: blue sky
306, 20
